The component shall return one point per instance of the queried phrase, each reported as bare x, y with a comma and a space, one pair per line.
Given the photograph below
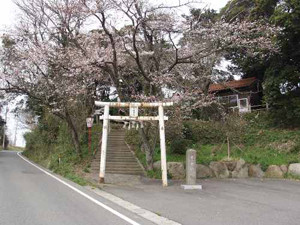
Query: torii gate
134, 117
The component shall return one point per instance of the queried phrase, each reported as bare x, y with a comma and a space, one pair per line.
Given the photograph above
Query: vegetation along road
29, 196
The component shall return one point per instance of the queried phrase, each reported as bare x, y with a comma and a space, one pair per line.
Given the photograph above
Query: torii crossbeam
133, 106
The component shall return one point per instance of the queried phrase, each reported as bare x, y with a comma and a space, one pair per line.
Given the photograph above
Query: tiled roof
232, 84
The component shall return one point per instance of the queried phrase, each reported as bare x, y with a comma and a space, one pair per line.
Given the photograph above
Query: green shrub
203, 132
51, 142
180, 146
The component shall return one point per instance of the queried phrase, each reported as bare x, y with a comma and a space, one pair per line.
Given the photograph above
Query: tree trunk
148, 150
75, 137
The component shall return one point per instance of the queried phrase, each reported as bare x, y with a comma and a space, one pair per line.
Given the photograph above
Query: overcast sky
8, 11
8, 15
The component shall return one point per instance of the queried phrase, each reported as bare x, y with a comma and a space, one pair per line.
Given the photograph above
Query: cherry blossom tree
142, 50
38, 62
156, 50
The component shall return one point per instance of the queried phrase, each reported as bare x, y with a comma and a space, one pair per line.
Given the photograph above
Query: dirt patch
286, 147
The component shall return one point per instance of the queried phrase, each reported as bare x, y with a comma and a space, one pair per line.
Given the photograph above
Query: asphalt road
28, 196
221, 202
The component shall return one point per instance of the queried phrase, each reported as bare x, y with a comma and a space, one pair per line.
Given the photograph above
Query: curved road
28, 196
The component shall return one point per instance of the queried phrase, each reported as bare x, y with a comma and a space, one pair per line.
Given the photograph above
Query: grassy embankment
257, 142
50, 146
252, 138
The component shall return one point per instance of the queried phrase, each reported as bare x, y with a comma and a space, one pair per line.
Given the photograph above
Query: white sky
8, 16
8, 11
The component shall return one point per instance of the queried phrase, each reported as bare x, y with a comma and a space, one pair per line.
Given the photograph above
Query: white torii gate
134, 117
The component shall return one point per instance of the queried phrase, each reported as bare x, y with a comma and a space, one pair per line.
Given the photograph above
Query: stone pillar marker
191, 171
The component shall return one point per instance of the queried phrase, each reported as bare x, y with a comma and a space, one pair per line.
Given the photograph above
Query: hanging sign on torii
133, 116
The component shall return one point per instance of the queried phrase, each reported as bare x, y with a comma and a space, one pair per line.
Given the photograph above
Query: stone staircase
119, 158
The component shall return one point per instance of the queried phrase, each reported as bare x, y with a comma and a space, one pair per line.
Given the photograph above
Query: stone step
121, 157
121, 145
119, 138
116, 163
108, 167
116, 137
113, 155
116, 145
96, 170
120, 154
118, 169
122, 164
118, 151
126, 172
115, 140
117, 155
118, 160
115, 148
124, 169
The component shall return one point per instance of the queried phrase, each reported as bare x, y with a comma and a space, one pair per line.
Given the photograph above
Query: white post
162, 145
3, 144
104, 143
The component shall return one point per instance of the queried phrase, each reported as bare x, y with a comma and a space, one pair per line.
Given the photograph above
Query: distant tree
279, 72
38, 62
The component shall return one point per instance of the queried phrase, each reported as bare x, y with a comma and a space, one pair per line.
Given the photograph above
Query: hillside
252, 137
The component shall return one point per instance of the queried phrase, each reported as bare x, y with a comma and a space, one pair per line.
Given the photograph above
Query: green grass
292, 177
156, 174
259, 144
58, 154
264, 156
77, 179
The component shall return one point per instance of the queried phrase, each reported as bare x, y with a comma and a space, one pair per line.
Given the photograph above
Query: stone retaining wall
232, 169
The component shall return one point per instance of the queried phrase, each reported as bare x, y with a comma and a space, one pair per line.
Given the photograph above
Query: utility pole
3, 144
16, 129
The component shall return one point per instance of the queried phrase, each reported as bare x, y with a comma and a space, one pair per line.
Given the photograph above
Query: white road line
159, 220
84, 194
